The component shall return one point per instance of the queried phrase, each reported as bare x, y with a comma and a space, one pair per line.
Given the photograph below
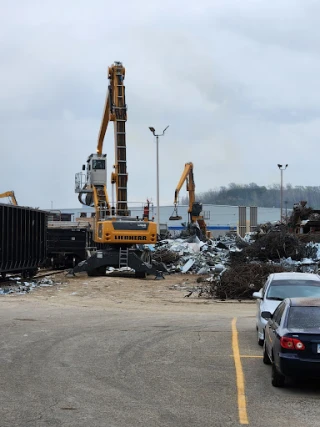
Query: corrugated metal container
66, 245
23, 239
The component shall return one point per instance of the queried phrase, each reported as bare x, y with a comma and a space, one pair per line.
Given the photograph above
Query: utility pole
282, 168
152, 129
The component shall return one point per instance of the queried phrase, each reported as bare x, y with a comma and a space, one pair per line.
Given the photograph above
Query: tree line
261, 196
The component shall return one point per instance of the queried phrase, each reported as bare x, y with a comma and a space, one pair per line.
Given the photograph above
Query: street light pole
152, 129
282, 168
158, 191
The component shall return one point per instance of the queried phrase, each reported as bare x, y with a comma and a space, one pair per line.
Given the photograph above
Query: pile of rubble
15, 285
277, 245
233, 268
194, 256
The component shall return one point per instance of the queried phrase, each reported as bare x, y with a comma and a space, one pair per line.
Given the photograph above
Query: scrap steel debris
165, 255
276, 245
242, 280
233, 268
15, 285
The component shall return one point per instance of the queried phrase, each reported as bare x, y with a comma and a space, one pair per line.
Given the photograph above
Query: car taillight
291, 343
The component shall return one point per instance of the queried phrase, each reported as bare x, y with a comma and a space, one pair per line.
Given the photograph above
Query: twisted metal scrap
165, 255
274, 246
243, 279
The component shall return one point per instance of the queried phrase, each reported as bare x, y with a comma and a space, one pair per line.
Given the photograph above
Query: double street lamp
282, 168
152, 129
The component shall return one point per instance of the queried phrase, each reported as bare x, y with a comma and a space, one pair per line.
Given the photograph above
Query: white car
280, 286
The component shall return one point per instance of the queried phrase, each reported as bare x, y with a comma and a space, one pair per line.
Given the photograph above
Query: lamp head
152, 129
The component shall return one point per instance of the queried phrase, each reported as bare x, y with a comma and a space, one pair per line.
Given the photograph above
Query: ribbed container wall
68, 242
23, 238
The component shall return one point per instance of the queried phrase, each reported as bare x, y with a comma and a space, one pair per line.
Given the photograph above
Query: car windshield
281, 289
304, 318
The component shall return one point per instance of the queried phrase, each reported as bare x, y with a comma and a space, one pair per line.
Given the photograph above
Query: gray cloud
237, 82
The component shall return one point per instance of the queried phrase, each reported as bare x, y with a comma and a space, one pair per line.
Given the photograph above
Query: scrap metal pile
16, 285
233, 268
305, 221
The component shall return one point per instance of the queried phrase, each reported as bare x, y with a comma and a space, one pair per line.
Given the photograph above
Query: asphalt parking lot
196, 364
269, 406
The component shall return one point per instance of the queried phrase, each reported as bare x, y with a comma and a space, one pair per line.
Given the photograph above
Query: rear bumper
292, 366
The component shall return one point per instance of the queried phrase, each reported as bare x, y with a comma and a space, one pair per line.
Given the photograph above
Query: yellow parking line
248, 356
242, 405
256, 357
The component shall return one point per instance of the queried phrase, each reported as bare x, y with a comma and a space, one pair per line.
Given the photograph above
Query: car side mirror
266, 315
257, 295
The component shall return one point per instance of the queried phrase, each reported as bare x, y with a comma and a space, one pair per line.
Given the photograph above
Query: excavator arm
11, 196
187, 176
94, 191
115, 110
104, 125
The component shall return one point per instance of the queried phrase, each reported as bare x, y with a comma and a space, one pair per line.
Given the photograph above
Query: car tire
277, 379
265, 358
260, 340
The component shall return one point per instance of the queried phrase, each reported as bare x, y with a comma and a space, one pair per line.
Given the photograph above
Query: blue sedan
292, 339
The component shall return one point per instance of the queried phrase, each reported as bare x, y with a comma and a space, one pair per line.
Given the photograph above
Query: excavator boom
104, 126
115, 110
187, 176
94, 192
11, 196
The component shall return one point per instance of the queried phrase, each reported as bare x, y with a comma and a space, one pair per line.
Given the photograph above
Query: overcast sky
237, 81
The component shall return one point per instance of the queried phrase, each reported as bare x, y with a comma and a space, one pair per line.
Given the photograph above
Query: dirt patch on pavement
122, 292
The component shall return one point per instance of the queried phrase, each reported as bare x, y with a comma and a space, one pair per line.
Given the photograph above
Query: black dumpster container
23, 239
66, 246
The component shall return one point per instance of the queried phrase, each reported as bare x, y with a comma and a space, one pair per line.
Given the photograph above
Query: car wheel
266, 359
260, 340
277, 379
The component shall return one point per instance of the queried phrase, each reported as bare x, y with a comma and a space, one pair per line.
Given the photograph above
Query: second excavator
116, 233
196, 224
11, 196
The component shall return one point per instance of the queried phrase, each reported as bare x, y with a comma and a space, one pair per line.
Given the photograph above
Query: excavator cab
93, 176
196, 209
96, 169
